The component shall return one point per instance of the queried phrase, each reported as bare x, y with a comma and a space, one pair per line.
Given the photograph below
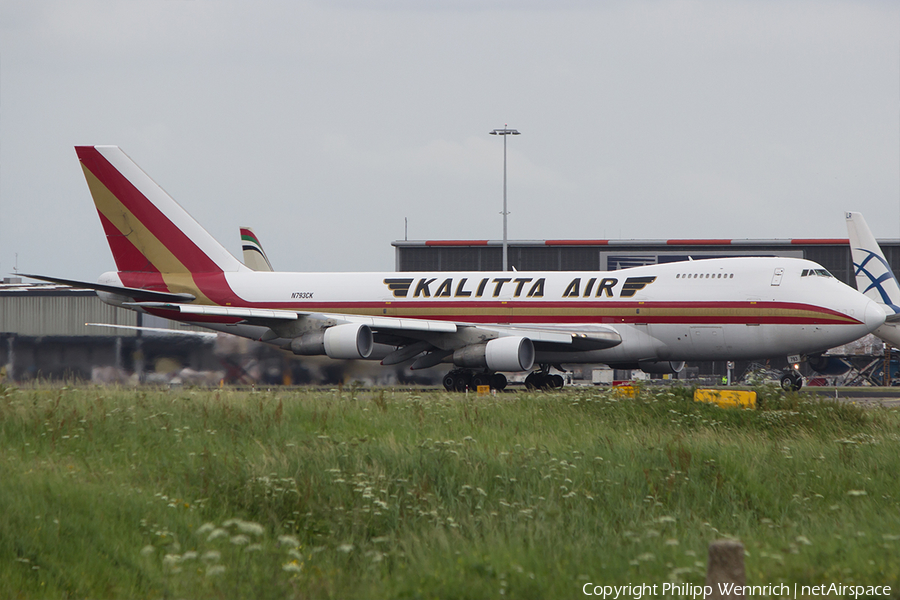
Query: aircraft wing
440, 334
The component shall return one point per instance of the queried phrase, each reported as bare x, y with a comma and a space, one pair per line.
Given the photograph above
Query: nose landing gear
791, 381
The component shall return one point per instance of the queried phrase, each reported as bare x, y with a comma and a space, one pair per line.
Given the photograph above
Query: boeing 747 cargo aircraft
483, 323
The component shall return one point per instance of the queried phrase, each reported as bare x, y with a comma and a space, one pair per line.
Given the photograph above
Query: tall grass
113, 493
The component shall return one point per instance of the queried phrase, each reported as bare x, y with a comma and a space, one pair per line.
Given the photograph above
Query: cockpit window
815, 273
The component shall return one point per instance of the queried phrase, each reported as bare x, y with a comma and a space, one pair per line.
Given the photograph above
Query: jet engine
341, 341
662, 367
513, 353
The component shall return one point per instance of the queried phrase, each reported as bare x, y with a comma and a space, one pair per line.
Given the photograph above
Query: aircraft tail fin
874, 276
147, 231
254, 255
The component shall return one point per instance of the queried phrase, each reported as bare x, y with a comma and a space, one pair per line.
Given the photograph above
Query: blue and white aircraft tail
874, 276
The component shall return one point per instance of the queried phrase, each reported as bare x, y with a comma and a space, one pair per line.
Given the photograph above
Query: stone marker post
725, 566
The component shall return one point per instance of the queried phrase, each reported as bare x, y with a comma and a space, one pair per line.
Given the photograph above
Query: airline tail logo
254, 255
156, 244
876, 272
146, 229
874, 276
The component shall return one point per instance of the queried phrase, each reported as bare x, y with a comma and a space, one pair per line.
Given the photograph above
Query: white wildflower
214, 570
205, 528
250, 527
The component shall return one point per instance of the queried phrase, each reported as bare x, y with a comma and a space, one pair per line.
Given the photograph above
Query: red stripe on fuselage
589, 312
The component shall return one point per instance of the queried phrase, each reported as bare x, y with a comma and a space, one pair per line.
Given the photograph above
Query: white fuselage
717, 309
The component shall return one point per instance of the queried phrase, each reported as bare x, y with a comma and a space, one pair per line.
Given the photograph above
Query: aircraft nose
874, 316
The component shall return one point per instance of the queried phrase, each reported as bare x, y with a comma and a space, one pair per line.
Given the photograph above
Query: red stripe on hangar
822, 242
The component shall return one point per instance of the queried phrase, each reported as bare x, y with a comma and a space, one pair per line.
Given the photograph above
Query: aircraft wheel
498, 381
481, 379
555, 382
531, 382
449, 382
791, 382
461, 380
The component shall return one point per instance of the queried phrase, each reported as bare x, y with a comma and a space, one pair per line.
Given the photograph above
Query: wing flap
596, 337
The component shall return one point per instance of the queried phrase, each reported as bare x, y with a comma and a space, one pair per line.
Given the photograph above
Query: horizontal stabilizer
136, 293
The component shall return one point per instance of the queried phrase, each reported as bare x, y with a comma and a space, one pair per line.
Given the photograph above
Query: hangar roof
641, 242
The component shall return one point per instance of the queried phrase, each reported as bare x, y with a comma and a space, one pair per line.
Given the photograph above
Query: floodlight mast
504, 132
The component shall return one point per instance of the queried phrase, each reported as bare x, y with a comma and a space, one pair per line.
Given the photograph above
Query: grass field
115, 493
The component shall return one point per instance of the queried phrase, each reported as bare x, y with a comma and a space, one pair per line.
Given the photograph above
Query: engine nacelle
348, 341
511, 353
663, 367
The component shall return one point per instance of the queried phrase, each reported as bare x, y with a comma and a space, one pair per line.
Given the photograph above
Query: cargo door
708, 339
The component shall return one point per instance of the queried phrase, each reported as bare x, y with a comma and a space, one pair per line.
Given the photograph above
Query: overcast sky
324, 124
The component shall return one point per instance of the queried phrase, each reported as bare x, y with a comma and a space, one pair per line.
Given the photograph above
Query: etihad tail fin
147, 231
254, 255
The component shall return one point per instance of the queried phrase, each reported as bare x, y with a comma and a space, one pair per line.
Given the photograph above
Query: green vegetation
114, 493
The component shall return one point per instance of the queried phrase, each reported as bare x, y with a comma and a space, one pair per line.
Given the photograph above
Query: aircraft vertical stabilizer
254, 255
874, 276
147, 231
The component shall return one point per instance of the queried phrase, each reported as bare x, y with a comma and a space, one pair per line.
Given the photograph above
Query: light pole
504, 132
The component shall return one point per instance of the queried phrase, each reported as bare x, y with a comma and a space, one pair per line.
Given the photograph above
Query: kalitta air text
516, 287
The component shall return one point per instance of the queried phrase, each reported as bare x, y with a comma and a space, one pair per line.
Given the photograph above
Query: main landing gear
458, 380
543, 380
